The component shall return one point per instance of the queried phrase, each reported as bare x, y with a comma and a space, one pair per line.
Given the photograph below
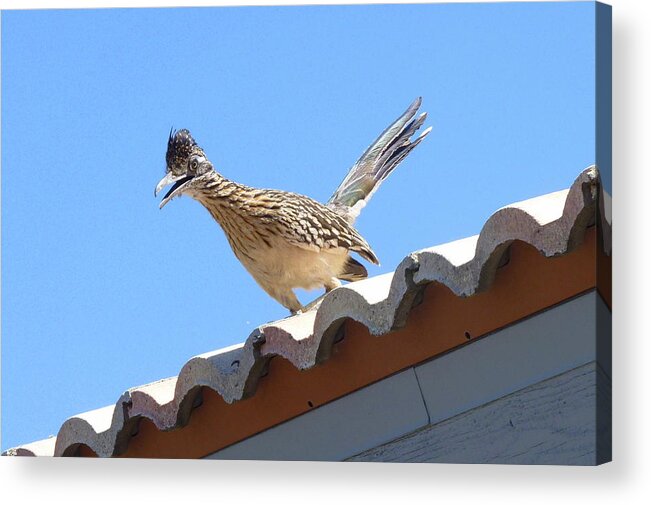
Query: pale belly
291, 267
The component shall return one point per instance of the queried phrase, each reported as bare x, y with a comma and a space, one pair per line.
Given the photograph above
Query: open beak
179, 181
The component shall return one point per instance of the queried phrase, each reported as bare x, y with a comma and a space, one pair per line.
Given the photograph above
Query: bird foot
313, 305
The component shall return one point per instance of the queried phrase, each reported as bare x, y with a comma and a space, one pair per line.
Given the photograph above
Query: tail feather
353, 271
377, 162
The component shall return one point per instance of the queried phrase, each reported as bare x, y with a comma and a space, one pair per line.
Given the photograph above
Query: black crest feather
180, 147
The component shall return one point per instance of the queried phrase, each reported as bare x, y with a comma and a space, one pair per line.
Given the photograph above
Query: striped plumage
286, 240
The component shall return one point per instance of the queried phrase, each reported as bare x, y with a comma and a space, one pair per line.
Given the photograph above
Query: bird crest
180, 146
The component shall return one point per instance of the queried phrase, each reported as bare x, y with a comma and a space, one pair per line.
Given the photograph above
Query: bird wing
311, 225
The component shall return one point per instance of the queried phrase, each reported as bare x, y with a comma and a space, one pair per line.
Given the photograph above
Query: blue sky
102, 291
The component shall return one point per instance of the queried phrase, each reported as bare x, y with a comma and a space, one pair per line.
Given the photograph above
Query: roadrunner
286, 240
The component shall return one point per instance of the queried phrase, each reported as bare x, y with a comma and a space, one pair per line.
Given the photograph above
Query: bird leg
332, 284
316, 303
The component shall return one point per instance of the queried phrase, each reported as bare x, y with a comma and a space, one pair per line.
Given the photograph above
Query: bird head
186, 164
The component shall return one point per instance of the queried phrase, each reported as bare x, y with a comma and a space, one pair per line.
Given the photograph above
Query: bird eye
194, 164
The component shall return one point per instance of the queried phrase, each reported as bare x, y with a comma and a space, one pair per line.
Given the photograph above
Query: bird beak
179, 182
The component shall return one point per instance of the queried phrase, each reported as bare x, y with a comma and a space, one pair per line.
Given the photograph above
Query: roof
440, 288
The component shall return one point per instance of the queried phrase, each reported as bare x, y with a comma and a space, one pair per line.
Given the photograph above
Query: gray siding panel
604, 391
366, 418
604, 337
537, 348
552, 422
604, 418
